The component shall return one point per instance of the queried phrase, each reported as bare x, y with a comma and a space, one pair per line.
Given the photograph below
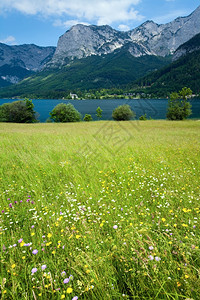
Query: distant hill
18, 62
183, 71
94, 72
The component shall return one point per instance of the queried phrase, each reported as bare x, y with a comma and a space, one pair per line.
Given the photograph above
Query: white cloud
123, 27
10, 40
99, 11
69, 23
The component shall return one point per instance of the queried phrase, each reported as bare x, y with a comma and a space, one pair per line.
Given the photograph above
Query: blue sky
41, 22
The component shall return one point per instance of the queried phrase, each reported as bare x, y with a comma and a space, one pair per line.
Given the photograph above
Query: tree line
22, 111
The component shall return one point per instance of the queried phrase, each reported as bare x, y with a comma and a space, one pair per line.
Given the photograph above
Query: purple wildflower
151, 257
3, 211
34, 270
32, 226
75, 298
66, 280
63, 273
157, 258
20, 240
150, 247
115, 226
43, 267
10, 205
35, 251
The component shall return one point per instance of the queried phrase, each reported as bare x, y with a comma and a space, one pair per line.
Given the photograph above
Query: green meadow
100, 210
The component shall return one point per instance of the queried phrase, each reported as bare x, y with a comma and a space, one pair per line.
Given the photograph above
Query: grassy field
100, 210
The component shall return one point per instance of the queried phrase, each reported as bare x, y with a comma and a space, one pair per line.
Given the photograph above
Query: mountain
188, 47
18, 62
92, 57
183, 71
165, 39
148, 39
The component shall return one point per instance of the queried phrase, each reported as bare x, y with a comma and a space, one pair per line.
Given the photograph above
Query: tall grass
100, 210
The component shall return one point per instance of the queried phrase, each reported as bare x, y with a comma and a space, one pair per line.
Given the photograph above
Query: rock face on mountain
164, 39
16, 62
148, 39
188, 47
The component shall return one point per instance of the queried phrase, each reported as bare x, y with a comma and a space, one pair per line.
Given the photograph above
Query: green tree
179, 108
99, 113
87, 118
123, 113
143, 117
21, 111
65, 113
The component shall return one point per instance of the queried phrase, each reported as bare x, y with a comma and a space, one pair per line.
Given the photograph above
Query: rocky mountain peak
147, 39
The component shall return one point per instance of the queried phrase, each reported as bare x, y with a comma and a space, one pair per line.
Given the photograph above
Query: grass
100, 210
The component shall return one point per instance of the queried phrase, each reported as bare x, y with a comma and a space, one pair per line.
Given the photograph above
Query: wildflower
75, 298
66, 280
43, 267
150, 247
20, 240
71, 277
13, 266
157, 258
35, 251
34, 270
49, 235
69, 290
115, 226
151, 257
10, 205
63, 273
62, 297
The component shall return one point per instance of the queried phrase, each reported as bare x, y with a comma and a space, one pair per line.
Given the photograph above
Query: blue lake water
154, 108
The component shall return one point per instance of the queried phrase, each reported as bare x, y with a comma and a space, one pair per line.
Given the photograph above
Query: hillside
183, 72
94, 72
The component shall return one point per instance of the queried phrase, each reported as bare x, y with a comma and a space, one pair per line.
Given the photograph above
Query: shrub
143, 117
21, 111
123, 113
87, 118
65, 113
178, 106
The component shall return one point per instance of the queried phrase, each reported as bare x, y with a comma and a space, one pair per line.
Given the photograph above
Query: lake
154, 108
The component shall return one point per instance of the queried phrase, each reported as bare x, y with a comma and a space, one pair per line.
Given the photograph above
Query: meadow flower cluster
130, 230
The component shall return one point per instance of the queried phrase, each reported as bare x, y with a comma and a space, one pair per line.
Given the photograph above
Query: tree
143, 117
65, 113
21, 111
99, 113
87, 118
123, 113
179, 108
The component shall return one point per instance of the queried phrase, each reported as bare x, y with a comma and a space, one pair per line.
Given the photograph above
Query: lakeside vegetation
101, 210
